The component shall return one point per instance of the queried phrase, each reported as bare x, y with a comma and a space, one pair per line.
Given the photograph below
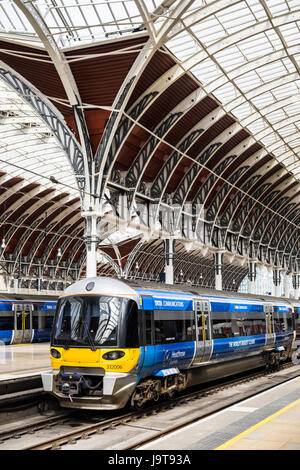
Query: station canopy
243, 55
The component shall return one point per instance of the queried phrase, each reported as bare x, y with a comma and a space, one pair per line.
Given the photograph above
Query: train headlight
112, 355
54, 353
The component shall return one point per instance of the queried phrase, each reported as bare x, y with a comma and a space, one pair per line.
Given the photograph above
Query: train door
203, 331
22, 323
270, 335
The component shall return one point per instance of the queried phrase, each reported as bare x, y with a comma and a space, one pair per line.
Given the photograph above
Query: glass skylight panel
236, 17
287, 130
289, 65
248, 81
285, 90
230, 58
281, 150
257, 126
133, 10
263, 100
276, 116
290, 161
209, 31
257, 9
226, 93
290, 33
255, 46
11, 20
207, 71
243, 110
278, 7
269, 139
272, 71
24, 146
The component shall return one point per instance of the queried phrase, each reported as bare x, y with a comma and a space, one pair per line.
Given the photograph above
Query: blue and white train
115, 342
26, 319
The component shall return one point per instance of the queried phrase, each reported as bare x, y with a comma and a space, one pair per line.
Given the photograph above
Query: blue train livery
26, 319
115, 341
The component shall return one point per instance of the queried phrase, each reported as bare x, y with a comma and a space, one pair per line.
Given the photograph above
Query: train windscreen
91, 321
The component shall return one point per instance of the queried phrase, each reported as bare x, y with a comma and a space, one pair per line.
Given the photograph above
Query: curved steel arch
270, 207
271, 219
279, 236
50, 116
138, 167
64, 71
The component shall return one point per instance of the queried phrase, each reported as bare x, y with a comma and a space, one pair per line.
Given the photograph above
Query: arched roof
183, 103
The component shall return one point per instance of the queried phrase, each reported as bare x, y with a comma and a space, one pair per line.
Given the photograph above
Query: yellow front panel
82, 357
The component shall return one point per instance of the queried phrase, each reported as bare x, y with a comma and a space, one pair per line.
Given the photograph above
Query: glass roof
27, 148
244, 52
248, 56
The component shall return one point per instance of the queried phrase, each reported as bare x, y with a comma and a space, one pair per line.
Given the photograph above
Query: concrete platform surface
268, 421
23, 360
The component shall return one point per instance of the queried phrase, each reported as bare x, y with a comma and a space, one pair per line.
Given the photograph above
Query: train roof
201, 291
27, 297
131, 289
105, 285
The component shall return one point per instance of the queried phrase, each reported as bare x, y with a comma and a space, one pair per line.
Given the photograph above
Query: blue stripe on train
228, 347
42, 335
5, 336
163, 356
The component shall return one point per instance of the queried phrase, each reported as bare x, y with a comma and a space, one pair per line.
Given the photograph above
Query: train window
88, 321
255, 325
6, 321
148, 326
231, 324
221, 325
283, 321
69, 312
42, 319
131, 325
174, 326
102, 319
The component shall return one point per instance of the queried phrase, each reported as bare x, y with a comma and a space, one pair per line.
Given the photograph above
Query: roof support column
169, 245
252, 277
296, 284
286, 284
277, 281
91, 239
16, 285
218, 256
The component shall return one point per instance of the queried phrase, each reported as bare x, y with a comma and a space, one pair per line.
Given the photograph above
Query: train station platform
20, 368
268, 421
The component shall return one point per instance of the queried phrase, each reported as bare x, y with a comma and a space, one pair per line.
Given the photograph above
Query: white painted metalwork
245, 53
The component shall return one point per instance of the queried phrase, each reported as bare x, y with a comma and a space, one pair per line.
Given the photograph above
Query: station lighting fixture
3, 244
59, 253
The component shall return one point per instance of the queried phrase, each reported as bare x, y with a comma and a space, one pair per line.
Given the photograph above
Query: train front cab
94, 347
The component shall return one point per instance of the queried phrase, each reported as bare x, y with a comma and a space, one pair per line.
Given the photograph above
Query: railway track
64, 437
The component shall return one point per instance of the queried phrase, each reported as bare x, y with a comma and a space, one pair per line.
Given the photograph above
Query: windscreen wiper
92, 344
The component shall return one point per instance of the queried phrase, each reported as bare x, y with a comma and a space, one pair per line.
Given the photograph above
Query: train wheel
138, 405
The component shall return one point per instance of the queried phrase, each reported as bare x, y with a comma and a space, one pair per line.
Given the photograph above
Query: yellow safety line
256, 426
